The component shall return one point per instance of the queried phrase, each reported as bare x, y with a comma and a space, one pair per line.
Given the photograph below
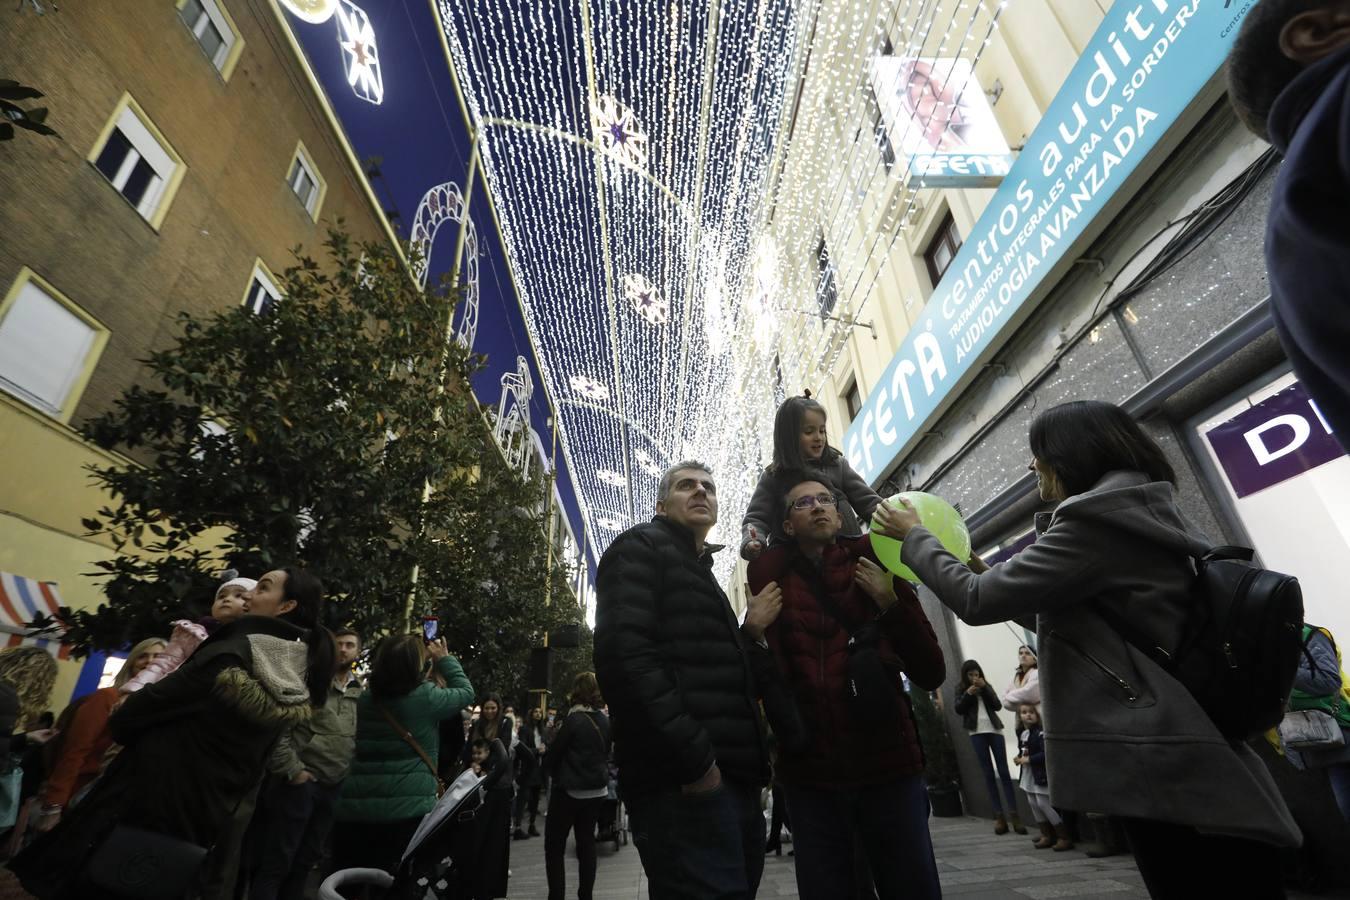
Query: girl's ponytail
322, 658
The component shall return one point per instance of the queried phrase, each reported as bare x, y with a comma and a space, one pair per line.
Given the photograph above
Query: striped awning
22, 600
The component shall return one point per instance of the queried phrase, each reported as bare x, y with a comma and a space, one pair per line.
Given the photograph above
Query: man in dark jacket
680, 677
1289, 80
859, 777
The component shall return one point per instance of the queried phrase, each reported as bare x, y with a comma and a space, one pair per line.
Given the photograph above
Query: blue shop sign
1143, 67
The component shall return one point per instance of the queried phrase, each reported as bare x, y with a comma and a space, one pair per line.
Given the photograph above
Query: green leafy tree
337, 431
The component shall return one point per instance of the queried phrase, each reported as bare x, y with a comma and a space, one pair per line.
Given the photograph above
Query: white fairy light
646, 299
700, 152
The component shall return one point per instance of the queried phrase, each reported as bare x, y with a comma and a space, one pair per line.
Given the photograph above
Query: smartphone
431, 628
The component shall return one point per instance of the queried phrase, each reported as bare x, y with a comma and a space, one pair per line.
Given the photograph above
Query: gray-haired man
681, 678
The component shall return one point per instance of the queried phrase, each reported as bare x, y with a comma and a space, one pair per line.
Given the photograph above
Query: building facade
194, 155
1161, 306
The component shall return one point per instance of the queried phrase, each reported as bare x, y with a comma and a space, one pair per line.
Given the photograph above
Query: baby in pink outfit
228, 606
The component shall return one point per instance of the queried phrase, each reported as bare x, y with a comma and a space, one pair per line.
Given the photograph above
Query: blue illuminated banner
1142, 68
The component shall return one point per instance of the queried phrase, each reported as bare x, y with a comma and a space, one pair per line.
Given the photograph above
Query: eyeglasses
811, 500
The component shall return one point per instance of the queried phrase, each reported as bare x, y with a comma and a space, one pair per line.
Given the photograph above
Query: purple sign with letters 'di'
1279, 438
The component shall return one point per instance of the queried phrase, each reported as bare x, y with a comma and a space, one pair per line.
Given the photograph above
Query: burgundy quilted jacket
811, 649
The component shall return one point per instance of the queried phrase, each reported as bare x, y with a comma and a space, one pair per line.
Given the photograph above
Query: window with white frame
263, 292
46, 348
137, 163
211, 28
305, 183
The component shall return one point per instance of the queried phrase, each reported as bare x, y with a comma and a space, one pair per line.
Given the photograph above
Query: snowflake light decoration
646, 299
361, 58
589, 389
647, 464
609, 523
612, 478
616, 130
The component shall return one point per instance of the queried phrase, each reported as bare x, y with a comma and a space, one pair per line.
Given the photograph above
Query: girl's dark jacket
194, 744
967, 708
856, 499
578, 758
1032, 745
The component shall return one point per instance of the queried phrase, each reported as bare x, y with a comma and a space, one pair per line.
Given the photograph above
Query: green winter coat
388, 781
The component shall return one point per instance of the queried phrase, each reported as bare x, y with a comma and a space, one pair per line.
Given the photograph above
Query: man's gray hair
667, 480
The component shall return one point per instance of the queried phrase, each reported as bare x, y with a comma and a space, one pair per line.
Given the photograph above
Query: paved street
975, 864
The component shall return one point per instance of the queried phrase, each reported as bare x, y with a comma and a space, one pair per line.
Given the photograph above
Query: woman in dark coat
977, 704
197, 741
495, 817
578, 761
529, 775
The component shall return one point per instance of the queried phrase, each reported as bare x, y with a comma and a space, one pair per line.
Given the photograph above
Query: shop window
942, 249
138, 162
305, 182
48, 346
214, 32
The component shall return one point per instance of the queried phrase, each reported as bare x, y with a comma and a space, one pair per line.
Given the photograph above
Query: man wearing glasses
682, 678
847, 630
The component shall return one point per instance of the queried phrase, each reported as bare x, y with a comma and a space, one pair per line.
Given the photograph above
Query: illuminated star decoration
609, 524
315, 12
612, 478
618, 133
589, 388
647, 464
646, 299
361, 59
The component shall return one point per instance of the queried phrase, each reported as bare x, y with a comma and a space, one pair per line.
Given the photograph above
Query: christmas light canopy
696, 205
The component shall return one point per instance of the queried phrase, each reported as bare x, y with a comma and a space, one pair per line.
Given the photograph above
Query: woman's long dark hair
399, 666
306, 590
1082, 441
787, 435
967, 667
480, 727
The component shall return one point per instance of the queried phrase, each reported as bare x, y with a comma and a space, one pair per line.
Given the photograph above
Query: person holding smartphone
978, 704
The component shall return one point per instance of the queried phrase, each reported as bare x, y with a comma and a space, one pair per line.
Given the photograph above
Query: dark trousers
991, 751
295, 823
1178, 862
890, 823
779, 819
570, 814
699, 846
372, 845
526, 796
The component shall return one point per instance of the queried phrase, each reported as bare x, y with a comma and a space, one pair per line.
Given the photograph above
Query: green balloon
939, 517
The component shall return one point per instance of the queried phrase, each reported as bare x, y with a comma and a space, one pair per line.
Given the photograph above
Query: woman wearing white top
978, 706
1025, 686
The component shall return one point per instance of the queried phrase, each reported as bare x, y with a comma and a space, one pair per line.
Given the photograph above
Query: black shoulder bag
869, 689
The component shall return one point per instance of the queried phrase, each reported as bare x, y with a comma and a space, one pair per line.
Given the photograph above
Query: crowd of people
244, 754
235, 753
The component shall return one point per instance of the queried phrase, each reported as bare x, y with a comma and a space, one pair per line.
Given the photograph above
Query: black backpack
1240, 649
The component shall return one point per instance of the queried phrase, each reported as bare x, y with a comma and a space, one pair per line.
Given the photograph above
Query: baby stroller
613, 825
436, 864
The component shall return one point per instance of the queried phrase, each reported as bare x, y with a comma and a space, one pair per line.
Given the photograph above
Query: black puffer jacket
673, 664
578, 758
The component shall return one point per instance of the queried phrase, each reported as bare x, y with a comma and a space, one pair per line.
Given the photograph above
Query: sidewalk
975, 864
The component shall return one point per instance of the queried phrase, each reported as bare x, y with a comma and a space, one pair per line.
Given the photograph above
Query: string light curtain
664, 172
